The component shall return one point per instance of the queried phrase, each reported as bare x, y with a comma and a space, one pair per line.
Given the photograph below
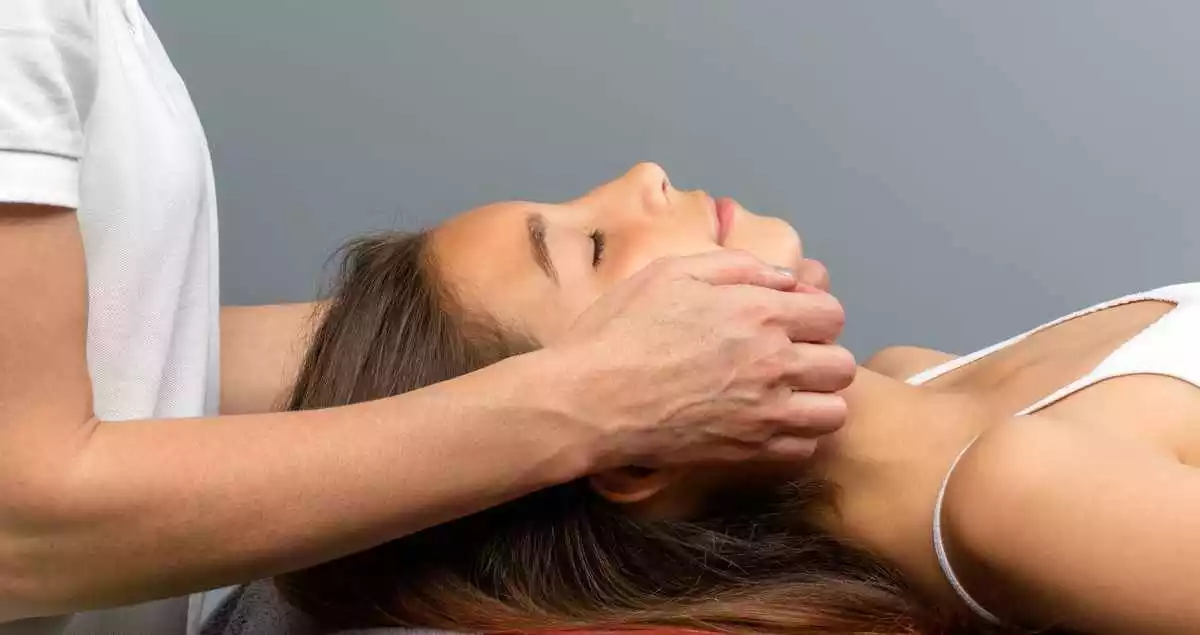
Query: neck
889, 461
893, 426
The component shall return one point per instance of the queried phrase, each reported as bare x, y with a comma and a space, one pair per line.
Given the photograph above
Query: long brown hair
564, 558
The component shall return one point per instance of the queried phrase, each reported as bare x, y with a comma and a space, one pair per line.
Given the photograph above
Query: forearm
261, 350
151, 509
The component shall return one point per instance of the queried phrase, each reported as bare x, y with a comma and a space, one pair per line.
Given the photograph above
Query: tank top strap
1143, 353
959, 362
939, 546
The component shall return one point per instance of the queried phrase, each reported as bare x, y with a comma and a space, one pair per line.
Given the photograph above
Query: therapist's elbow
36, 521
21, 597
33, 581
27, 588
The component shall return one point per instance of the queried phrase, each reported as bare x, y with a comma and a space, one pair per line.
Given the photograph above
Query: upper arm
902, 362
48, 75
1077, 528
45, 390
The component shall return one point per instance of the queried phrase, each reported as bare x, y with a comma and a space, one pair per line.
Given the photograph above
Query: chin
791, 236
773, 240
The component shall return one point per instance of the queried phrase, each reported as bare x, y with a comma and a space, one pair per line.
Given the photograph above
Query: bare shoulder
1033, 503
1011, 467
1027, 469
902, 362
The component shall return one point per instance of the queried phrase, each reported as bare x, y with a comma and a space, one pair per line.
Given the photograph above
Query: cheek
550, 320
634, 253
771, 239
625, 255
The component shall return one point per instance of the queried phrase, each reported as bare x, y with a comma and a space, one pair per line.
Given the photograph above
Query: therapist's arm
95, 513
261, 350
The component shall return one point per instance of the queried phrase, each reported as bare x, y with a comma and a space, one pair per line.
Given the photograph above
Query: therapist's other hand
712, 357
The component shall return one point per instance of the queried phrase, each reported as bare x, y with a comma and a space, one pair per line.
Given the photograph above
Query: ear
630, 485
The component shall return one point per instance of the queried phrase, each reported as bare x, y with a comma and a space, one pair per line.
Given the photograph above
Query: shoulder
1035, 500
48, 17
1034, 468
1010, 467
902, 362
50, 74
998, 518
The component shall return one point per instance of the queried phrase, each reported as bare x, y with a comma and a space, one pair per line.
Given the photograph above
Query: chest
147, 215
1141, 408
146, 161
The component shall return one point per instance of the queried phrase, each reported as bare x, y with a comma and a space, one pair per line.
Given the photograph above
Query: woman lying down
1048, 481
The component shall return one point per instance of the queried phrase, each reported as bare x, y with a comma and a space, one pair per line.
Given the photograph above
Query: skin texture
180, 503
1083, 514
901, 362
639, 217
261, 346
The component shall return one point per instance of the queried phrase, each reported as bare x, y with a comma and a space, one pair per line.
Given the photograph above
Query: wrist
543, 396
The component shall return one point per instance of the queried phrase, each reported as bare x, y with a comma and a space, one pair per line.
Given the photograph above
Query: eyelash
598, 240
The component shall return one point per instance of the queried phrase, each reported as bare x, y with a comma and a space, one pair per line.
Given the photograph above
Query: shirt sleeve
48, 78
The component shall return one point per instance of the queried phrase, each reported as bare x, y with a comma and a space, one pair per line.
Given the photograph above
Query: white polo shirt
94, 117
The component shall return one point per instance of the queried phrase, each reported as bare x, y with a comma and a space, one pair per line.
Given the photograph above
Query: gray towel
257, 609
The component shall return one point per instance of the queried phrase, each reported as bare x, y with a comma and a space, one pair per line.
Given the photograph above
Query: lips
725, 209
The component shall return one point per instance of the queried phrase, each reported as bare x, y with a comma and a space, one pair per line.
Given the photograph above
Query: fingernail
787, 271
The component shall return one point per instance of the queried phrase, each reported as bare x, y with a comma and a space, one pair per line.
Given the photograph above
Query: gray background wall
965, 169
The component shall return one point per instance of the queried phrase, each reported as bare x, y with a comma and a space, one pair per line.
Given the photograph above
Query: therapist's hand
713, 357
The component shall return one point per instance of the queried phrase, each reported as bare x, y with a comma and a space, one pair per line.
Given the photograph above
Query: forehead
486, 257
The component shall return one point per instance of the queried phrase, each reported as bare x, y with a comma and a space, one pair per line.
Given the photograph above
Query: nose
651, 183
649, 173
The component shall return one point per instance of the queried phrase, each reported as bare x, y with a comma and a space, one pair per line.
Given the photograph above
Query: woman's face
535, 266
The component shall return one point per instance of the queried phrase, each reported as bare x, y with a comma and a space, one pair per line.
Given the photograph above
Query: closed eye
598, 240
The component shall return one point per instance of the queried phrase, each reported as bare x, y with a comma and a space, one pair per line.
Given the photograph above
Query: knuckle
755, 306
789, 360
777, 403
747, 433
775, 359
768, 369
759, 434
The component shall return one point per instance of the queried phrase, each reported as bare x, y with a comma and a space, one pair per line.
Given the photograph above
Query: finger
787, 447
817, 367
810, 415
810, 317
812, 274
728, 267
729, 451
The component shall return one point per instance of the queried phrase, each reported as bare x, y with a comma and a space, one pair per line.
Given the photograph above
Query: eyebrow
536, 225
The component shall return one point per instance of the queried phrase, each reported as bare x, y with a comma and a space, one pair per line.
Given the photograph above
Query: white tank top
1169, 347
